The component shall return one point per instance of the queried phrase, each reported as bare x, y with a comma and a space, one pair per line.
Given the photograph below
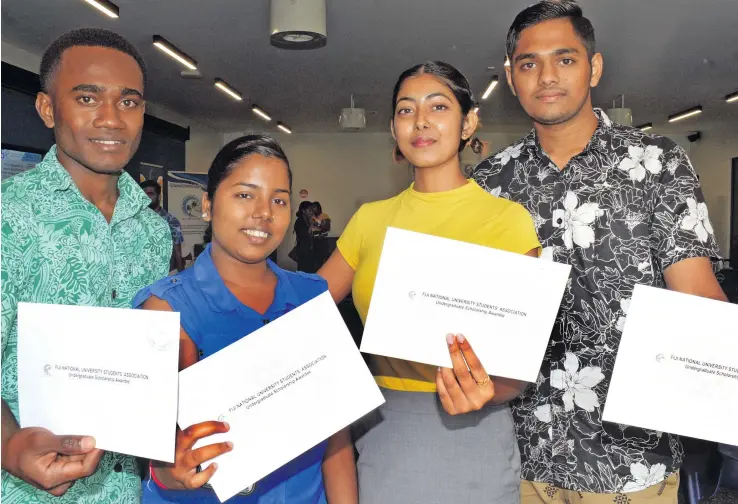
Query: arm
339, 274
183, 473
694, 276
339, 470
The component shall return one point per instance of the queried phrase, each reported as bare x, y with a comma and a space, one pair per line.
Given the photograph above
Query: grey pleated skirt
412, 452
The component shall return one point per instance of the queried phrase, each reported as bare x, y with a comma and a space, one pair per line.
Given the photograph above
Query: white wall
201, 148
712, 159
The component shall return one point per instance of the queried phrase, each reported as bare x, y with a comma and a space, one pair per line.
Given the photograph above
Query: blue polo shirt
214, 318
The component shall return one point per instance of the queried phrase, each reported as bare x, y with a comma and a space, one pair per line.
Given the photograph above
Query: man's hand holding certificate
282, 390
103, 372
427, 287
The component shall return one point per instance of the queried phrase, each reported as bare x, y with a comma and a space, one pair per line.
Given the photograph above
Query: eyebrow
256, 186
557, 52
93, 88
432, 95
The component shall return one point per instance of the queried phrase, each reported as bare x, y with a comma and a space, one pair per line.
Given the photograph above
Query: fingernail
215, 466
460, 337
439, 369
229, 444
450, 339
87, 443
227, 425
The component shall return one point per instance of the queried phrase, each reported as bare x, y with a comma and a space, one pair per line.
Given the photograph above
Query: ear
597, 67
207, 207
392, 129
143, 106
471, 121
508, 75
45, 109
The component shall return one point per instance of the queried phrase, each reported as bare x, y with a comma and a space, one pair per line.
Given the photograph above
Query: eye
527, 66
244, 195
86, 100
404, 111
280, 201
439, 107
129, 103
567, 61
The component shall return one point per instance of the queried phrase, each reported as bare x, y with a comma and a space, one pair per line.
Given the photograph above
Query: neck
98, 188
444, 177
237, 273
564, 141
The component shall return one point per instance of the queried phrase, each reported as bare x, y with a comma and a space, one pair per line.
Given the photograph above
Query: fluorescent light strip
685, 114
645, 127
492, 84
284, 128
732, 97
256, 110
171, 50
107, 8
227, 89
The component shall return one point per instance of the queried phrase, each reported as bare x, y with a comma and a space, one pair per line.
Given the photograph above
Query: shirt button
117, 467
114, 295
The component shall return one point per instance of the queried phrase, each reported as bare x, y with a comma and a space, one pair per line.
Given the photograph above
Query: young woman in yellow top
414, 449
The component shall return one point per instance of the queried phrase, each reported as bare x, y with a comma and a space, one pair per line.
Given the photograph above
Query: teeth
257, 234
107, 142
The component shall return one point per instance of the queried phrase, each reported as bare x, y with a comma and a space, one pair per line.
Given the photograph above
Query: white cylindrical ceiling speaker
622, 116
298, 24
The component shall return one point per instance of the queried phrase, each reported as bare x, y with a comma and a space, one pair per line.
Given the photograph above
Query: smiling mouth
256, 233
107, 142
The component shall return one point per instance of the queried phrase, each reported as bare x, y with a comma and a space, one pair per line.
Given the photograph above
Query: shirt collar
131, 198
222, 300
600, 140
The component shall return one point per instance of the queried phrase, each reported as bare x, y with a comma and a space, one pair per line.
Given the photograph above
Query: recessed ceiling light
171, 50
687, 113
492, 84
645, 127
106, 7
256, 110
733, 97
284, 127
227, 89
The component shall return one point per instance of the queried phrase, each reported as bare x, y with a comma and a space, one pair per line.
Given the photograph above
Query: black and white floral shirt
620, 213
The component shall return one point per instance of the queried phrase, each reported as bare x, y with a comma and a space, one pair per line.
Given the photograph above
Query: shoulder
379, 208
488, 170
165, 288
489, 204
306, 285
156, 225
627, 137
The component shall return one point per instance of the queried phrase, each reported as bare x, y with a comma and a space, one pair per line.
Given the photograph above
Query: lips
549, 96
257, 233
107, 141
421, 142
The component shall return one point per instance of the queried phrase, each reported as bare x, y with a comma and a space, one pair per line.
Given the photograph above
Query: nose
108, 116
548, 75
421, 120
263, 210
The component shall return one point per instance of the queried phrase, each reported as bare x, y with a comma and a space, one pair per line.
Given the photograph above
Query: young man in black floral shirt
622, 208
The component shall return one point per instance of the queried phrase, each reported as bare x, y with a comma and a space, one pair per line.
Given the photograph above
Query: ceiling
664, 55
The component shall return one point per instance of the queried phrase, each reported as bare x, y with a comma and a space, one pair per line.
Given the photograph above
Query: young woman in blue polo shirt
231, 291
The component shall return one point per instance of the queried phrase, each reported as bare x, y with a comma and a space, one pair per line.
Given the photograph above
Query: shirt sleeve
520, 235
680, 224
350, 242
13, 272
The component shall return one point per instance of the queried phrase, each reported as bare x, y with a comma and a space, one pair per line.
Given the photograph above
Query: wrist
163, 478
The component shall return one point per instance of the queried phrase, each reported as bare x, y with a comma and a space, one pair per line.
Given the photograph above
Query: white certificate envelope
110, 373
282, 389
677, 366
505, 304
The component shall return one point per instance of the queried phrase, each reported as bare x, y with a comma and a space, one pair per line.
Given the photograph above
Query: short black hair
90, 37
151, 183
547, 10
